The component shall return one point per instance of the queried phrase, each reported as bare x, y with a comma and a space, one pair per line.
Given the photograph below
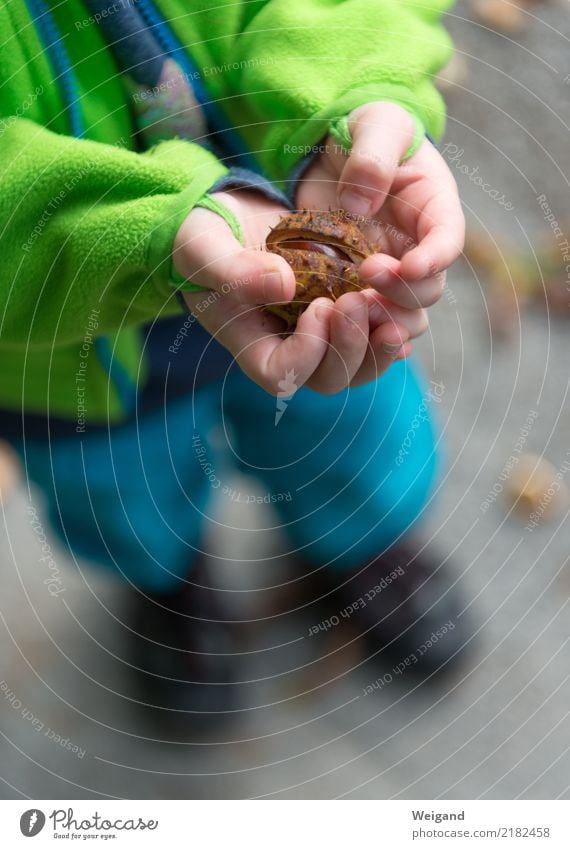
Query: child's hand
334, 345
414, 207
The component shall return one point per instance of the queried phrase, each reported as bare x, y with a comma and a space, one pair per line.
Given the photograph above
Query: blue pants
348, 474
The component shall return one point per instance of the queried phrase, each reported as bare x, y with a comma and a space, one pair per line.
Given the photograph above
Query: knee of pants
346, 522
359, 466
149, 544
132, 501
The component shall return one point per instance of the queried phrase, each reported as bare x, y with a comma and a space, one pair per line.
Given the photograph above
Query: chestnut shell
324, 249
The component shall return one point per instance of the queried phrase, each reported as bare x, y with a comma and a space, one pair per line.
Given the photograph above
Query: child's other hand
334, 345
415, 212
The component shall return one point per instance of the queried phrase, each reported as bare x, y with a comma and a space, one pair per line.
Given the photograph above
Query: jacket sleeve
302, 64
85, 225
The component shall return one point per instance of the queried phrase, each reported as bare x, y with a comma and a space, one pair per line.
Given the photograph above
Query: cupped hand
411, 210
334, 345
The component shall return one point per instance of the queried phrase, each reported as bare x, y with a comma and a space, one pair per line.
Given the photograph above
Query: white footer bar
287, 824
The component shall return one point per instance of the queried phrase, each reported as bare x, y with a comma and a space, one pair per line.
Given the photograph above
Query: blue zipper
65, 76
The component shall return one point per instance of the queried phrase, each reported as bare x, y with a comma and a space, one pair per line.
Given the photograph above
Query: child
147, 148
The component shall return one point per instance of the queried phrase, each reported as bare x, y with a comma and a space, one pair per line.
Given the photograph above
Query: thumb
207, 253
381, 134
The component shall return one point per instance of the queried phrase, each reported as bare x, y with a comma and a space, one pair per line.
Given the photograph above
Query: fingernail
392, 350
404, 353
355, 203
273, 286
322, 313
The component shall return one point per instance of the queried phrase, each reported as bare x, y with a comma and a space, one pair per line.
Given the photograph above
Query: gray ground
501, 728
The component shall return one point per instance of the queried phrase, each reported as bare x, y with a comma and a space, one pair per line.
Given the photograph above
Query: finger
347, 346
266, 357
378, 269
206, 252
440, 223
395, 287
381, 134
385, 346
441, 245
232, 324
381, 311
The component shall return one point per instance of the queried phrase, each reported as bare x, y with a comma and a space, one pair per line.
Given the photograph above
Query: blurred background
499, 345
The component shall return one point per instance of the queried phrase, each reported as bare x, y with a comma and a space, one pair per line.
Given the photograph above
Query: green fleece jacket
87, 225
